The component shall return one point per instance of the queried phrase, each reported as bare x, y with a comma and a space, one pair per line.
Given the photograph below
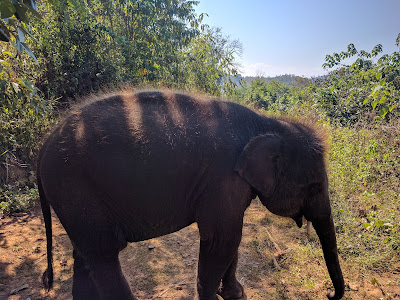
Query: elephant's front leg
231, 287
217, 253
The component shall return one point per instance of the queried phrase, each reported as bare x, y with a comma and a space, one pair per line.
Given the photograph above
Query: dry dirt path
168, 270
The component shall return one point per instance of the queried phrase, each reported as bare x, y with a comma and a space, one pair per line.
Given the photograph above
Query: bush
365, 192
17, 199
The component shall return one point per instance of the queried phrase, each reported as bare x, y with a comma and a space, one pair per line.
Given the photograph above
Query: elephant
132, 166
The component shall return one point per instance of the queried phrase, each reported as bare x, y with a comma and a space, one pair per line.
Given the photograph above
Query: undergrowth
17, 199
364, 169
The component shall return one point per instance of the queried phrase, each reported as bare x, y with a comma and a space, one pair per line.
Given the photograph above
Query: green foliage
363, 61
16, 200
365, 193
353, 92
209, 61
269, 95
72, 53
289, 79
23, 112
108, 44
15, 16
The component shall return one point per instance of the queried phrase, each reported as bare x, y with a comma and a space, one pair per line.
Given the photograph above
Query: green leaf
382, 113
33, 10
29, 51
20, 13
379, 76
375, 92
377, 49
7, 9
382, 100
31, 3
366, 101
374, 104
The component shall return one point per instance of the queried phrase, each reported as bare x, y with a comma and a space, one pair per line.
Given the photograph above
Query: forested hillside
289, 79
54, 53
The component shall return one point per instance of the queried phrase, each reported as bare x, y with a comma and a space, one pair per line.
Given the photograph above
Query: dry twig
170, 287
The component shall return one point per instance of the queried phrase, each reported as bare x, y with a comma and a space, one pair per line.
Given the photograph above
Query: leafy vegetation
365, 192
15, 16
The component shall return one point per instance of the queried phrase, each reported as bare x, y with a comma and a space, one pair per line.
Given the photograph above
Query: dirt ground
165, 267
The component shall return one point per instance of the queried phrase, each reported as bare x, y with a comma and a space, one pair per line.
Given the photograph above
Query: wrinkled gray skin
136, 166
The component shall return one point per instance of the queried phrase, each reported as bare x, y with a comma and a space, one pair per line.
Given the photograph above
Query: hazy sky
293, 36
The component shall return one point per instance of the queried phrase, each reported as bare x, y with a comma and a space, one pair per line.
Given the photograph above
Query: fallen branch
375, 282
17, 290
178, 286
272, 240
278, 252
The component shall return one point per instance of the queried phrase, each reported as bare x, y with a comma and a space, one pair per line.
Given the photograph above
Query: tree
109, 43
15, 17
365, 81
209, 61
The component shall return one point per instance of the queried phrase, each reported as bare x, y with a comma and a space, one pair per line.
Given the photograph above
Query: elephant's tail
47, 277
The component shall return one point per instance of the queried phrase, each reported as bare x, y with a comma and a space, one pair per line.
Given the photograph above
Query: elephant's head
287, 171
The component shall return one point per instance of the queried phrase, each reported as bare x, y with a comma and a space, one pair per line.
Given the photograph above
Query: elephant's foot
232, 291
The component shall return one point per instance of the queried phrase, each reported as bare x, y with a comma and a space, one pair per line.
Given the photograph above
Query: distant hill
289, 79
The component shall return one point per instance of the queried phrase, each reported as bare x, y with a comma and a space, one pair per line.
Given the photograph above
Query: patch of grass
265, 221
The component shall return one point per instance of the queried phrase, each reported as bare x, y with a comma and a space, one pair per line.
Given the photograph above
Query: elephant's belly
147, 231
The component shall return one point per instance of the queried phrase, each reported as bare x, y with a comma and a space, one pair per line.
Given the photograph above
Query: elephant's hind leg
108, 277
96, 255
97, 241
83, 287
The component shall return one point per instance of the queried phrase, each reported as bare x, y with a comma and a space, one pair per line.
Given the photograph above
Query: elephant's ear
257, 163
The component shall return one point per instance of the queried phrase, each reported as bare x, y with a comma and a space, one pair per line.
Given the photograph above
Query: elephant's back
151, 120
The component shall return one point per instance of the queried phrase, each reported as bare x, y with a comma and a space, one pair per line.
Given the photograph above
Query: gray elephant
131, 167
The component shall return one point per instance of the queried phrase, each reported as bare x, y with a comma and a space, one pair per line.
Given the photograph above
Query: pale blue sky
294, 36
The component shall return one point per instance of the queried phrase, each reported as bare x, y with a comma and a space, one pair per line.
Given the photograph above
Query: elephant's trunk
326, 233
